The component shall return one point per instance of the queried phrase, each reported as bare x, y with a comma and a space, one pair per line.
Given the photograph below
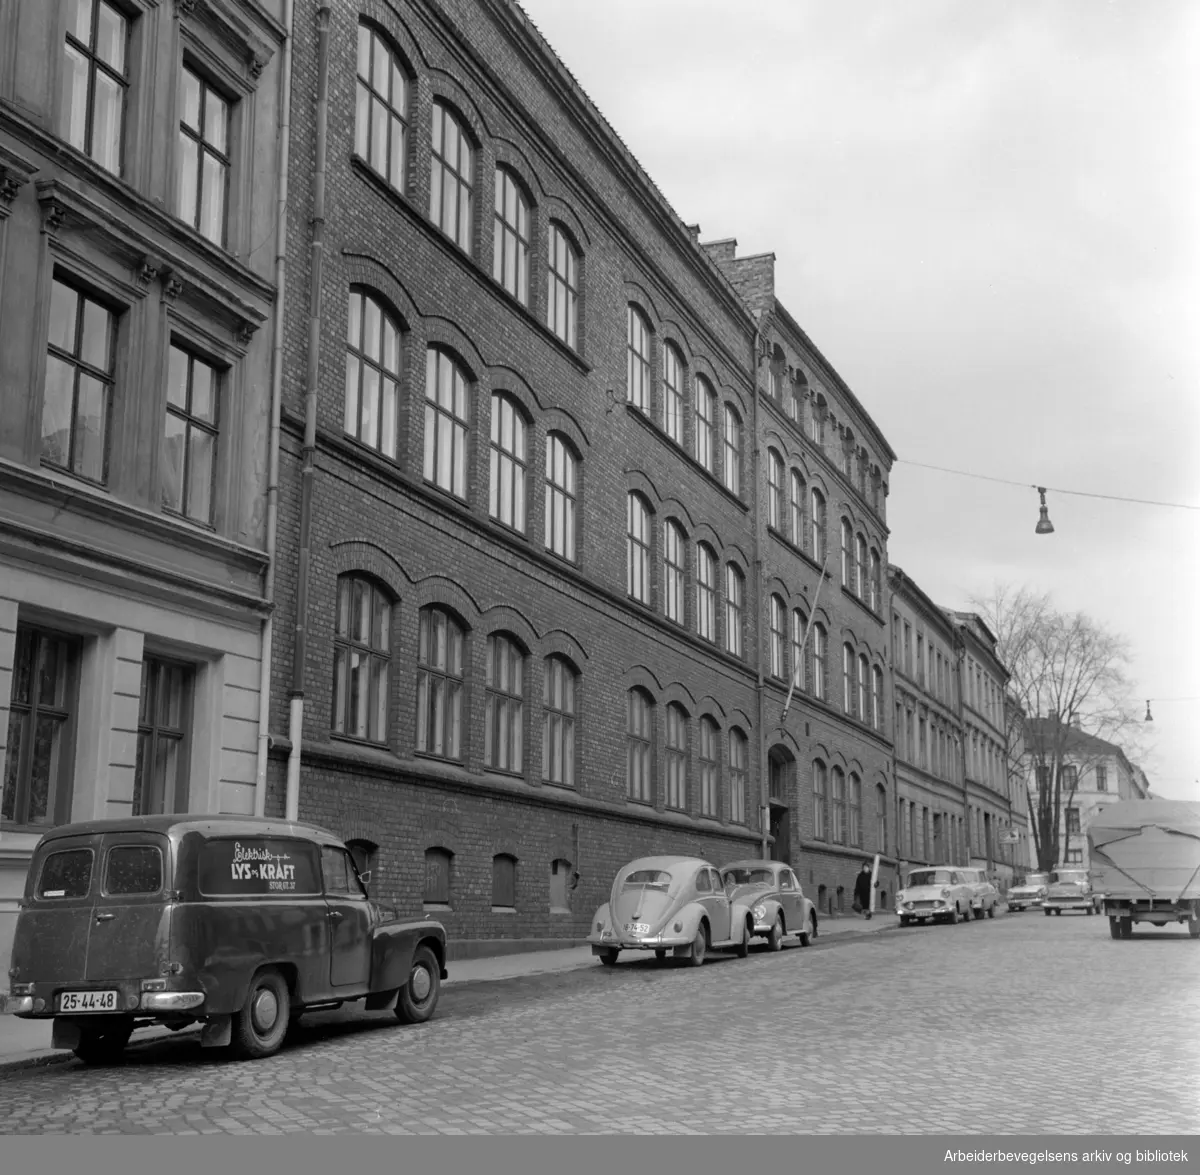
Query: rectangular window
203, 157
189, 448
38, 764
820, 801
160, 777
1074, 856
95, 81
1102, 779
1073, 820
839, 807
77, 401
856, 811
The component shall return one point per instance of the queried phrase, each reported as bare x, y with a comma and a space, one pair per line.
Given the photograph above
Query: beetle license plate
87, 1001
637, 928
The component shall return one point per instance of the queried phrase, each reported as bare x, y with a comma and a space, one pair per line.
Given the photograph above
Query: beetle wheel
807, 936
261, 1023
608, 958
699, 946
775, 938
103, 1045
743, 948
419, 996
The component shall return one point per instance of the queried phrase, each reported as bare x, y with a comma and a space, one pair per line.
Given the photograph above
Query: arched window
638, 542
446, 422
774, 490
452, 178
816, 420
558, 723
855, 810
439, 867
677, 753
381, 108
504, 731
674, 549
732, 469
439, 685
848, 455
706, 592
873, 587
372, 373
798, 625
799, 391
848, 678
560, 497
706, 417
819, 657
735, 586
709, 742
778, 638
738, 746
507, 471
776, 374
504, 882
562, 296
838, 831
877, 698
820, 801
637, 378
362, 652
797, 530
673, 393
864, 688
510, 241
847, 554
816, 516
860, 567
881, 837
639, 780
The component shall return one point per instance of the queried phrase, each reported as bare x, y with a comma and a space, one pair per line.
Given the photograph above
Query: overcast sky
985, 214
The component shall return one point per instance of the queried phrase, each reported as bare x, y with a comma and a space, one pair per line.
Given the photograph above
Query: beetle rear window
133, 869
66, 875
259, 866
652, 877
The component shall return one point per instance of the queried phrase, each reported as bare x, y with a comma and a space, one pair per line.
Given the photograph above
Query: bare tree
1070, 683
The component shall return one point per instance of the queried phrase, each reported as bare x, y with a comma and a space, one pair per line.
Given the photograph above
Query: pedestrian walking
862, 890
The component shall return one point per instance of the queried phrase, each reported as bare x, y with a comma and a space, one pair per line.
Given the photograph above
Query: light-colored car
669, 904
984, 895
776, 901
934, 893
1030, 894
1069, 889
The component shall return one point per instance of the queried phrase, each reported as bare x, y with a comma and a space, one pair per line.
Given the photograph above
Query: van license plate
87, 1001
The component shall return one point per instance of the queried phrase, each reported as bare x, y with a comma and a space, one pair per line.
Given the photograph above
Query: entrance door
781, 830
129, 925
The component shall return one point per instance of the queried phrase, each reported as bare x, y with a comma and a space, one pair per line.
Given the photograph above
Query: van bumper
16, 1005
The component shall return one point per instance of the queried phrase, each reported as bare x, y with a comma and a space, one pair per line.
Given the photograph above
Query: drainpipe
300, 647
268, 628
960, 654
760, 683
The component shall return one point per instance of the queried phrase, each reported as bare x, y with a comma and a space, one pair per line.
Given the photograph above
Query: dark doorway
781, 830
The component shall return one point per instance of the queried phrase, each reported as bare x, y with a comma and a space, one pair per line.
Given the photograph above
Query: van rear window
66, 874
133, 869
257, 865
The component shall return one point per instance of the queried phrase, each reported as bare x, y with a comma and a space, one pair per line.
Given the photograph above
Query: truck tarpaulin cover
1147, 848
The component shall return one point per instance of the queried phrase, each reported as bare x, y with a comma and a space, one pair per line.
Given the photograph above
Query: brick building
137, 211
521, 477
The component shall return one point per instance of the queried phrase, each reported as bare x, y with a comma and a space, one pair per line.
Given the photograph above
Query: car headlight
759, 912
945, 893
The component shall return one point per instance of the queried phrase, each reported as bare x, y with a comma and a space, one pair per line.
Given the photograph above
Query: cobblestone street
1024, 1024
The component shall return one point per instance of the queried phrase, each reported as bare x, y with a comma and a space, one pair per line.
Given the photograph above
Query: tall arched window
439, 685
706, 418
674, 552
732, 468
881, 838
797, 530
372, 373
439, 868
774, 490
738, 747
562, 296
709, 774
820, 801
877, 697
446, 420
507, 471
637, 353
452, 178
560, 497
706, 592
799, 391
778, 638
819, 658
873, 587
860, 567
504, 730
381, 108
735, 585
864, 688
639, 781
847, 552
510, 239
816, 516
838, 831
855, 810
816, 420
798, 624
848, 679
362, 654
558, 723
638, 543
676, 762
673, 393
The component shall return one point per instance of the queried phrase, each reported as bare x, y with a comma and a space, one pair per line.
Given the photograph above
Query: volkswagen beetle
775, 903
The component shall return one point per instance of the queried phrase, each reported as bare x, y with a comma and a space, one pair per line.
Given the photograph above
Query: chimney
694, 229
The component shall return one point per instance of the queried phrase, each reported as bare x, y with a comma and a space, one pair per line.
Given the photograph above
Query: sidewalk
27, 1042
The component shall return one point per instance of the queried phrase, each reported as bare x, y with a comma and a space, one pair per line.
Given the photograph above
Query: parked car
984, 895
236, 923
1030, 893
934, 894
1069, 889
669, 904
776, 901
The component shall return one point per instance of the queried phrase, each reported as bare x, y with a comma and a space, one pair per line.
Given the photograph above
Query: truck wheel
1114, 927
262, 1022
1126, 927
1046, 912
978, 914
1194, 928
992, 910
419, 996
103, 1044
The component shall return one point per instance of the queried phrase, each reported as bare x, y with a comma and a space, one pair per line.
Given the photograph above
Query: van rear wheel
419, 996
103, 1044
260, 1025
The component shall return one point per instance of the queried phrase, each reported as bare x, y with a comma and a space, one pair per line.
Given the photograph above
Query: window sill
436, 908
503, 909
559, 912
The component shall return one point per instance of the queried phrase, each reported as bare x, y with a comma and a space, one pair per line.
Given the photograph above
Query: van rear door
132, 907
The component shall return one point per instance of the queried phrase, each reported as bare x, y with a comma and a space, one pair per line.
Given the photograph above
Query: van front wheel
262, 1023
419, 996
